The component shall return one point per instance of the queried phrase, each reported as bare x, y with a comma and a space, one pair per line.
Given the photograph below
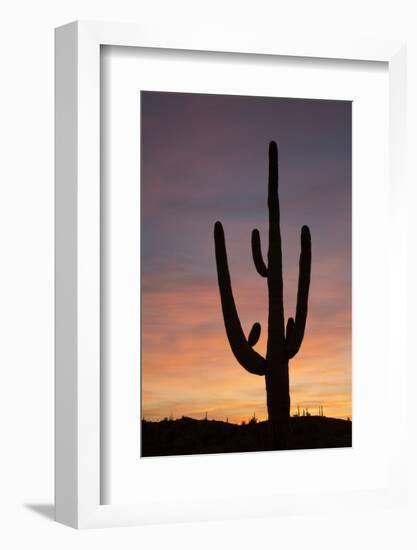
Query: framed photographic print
227, 274
204, 156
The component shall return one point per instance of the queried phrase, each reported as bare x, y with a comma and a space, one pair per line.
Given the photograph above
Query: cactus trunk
276, 376
283, 343
278, 402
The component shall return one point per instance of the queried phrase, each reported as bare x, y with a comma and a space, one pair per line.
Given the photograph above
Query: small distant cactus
283, 342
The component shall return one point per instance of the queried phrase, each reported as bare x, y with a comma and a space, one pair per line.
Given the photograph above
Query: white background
26, 274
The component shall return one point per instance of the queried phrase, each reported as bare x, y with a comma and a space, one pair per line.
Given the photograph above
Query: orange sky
194, 371
187, 365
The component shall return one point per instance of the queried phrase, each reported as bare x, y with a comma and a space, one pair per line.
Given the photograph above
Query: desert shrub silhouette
283, 342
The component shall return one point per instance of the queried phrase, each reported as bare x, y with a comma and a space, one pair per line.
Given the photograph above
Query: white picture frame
77, 420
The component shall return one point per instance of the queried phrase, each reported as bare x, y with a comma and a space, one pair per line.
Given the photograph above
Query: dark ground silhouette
187, 436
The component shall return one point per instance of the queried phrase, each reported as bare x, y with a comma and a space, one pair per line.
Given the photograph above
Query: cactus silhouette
283, 341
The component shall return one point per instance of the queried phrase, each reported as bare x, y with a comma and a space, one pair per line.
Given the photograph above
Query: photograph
246, 273
209, 261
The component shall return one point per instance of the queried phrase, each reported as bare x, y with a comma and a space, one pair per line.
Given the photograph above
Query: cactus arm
241, 348
257, 254
290, 340
289, 332
254, 334
295, 330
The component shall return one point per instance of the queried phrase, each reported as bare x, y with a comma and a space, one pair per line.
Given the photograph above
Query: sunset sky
205, 158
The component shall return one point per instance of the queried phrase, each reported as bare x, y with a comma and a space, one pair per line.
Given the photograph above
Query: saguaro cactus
283, 342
